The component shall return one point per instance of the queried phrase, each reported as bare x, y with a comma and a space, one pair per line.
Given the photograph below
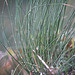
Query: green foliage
41, 28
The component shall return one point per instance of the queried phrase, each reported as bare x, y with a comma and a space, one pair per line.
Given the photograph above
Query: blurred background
7, 17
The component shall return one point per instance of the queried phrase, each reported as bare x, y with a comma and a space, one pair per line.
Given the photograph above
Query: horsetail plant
43, 36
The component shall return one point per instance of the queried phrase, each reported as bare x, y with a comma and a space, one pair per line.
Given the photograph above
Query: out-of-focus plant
43, 36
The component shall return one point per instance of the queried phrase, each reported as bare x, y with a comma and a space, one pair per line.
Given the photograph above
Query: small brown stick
35, 62
68, 5
43, 61
6, 2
